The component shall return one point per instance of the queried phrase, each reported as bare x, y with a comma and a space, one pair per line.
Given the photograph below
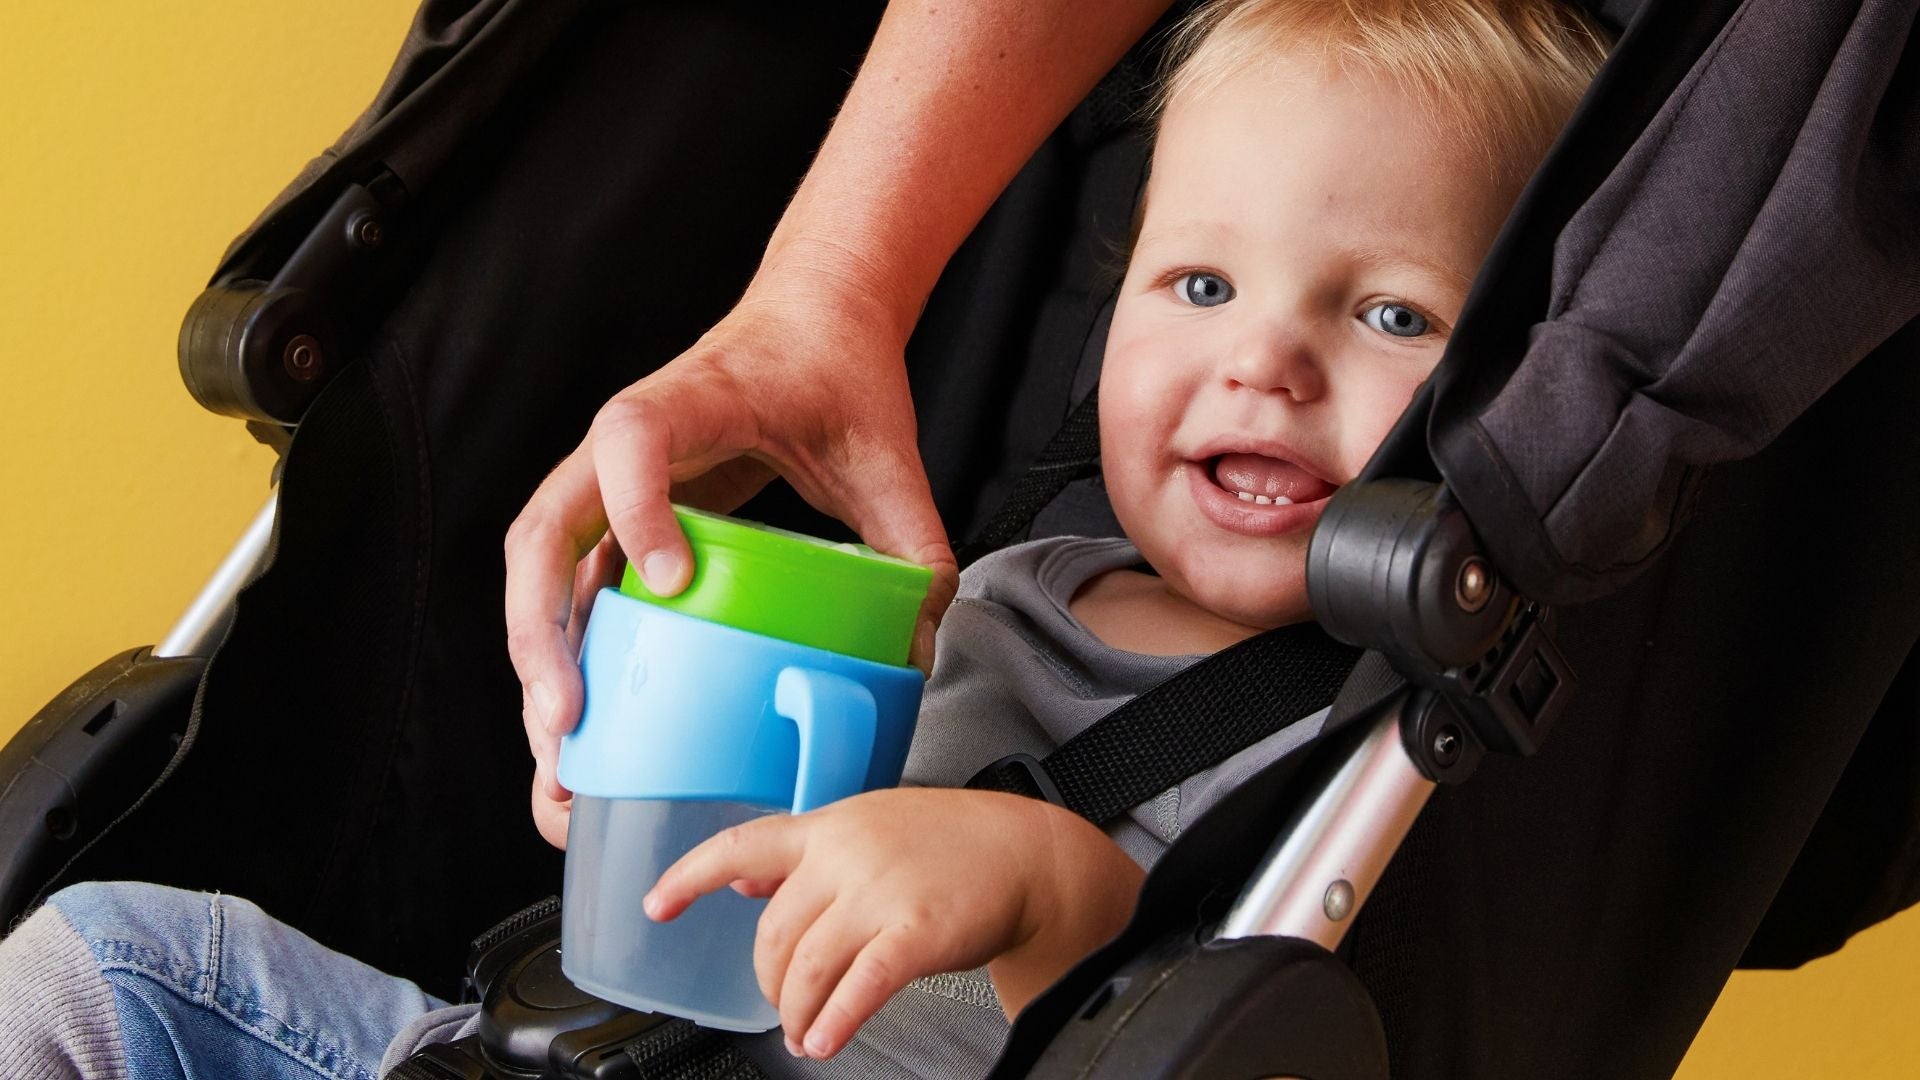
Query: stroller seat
1574, 913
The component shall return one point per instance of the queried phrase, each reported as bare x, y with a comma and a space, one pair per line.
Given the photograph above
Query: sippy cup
775, 683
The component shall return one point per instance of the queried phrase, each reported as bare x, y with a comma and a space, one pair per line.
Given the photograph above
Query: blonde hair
1504, 74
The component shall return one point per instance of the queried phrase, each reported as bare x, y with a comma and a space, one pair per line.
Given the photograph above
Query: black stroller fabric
587, 188
357, 764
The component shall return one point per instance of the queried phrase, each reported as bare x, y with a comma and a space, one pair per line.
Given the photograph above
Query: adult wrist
860, 286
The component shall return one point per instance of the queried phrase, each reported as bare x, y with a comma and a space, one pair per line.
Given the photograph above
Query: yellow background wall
135, 141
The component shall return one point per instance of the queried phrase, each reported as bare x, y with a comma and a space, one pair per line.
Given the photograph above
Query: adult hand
805, 378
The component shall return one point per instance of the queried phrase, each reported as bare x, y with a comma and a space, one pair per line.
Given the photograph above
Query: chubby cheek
1369, 408
1142, 399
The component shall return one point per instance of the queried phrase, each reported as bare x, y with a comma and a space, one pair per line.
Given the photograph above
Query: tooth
1262, 500
1282, 500
1244, 496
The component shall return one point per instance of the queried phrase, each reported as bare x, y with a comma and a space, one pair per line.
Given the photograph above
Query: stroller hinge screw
1338, 903
1446, 746
369, 233
302, 358
1474, 586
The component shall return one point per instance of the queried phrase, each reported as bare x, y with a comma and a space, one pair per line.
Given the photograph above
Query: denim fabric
209, 987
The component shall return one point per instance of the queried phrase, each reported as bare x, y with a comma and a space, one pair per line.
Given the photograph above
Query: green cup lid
845, 598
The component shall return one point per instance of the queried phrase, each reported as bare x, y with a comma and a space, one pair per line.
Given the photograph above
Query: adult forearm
952, 98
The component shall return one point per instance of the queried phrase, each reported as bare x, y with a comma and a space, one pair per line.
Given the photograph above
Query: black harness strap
1072, 454
1191, 722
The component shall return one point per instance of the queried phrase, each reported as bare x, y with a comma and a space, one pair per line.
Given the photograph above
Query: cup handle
836, 719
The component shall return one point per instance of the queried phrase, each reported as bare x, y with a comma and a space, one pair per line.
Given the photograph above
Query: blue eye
1202, 289
1396, 319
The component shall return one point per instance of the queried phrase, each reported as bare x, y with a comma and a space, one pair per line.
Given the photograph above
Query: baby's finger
819, 961
788, 916
767, 847
881, 968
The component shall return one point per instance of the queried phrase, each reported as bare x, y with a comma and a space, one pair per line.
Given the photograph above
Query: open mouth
1257, 494
1266, 481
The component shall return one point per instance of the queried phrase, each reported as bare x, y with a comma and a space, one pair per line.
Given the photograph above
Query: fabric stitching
422, 568
201, 989
168, 982
950, 986
210, 964
1050, 574
1167, 810
338, 847
1081, 687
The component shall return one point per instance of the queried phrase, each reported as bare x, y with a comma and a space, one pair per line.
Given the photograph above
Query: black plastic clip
1019, 774
264, 350
1511, 697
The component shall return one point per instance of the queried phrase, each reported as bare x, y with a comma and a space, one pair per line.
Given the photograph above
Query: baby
1327, 177
1325, 181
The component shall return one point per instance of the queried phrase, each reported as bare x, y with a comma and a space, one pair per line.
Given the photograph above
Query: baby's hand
875, 891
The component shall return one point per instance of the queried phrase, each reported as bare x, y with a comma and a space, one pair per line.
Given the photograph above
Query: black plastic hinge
1506, 702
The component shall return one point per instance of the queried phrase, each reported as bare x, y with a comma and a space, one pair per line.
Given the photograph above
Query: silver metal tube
1321, 870
199, 630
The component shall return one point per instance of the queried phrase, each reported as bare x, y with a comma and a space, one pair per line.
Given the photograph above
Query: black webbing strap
416, 1068
1373, 681
1191, 722
682, 1050
1072, 453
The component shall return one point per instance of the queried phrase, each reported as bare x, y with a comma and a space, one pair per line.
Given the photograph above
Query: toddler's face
1307, 243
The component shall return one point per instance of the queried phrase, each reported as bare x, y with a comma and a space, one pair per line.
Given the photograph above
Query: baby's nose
1276, 359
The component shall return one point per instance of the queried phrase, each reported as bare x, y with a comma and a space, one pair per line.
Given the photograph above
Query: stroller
1733, 782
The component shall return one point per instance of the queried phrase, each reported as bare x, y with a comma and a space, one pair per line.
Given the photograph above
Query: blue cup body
681, 708
689, 727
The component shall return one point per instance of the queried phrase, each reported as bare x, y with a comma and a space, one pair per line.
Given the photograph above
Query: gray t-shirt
1014, 672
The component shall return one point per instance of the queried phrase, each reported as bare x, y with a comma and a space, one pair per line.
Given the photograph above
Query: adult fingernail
546, 705
657, 570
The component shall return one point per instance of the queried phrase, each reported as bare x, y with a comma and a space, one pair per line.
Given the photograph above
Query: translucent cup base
700, 965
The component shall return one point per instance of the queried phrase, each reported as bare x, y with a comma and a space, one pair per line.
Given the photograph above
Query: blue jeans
209, 986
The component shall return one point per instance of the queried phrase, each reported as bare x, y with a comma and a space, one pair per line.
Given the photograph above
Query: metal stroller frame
262, 344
